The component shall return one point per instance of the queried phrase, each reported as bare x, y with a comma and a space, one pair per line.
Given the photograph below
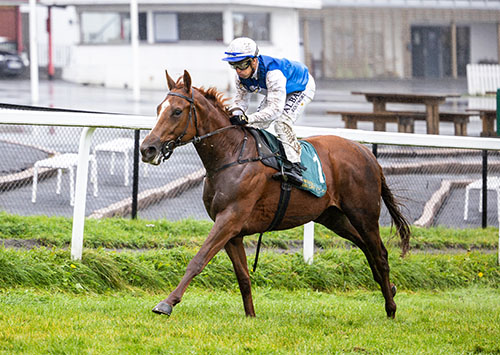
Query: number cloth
314, 178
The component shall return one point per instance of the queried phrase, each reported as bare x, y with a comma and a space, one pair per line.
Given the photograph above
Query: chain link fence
431, 183
171, 190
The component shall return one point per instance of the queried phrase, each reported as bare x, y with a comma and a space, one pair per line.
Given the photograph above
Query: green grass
124, 233
208, 322
448, 301
333, 270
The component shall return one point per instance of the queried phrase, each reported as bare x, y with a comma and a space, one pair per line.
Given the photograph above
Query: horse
241, 199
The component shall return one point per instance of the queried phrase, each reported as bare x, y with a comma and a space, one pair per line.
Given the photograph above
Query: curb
152, 196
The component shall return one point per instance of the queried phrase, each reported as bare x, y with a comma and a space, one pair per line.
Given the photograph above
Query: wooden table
488, 118
431, 102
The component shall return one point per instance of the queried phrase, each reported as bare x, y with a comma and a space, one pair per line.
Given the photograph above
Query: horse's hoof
163, 308
394, 290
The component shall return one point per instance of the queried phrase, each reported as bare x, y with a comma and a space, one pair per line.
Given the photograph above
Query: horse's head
176, 121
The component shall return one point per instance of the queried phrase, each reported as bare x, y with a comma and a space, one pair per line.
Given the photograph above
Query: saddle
272, 154
269, 148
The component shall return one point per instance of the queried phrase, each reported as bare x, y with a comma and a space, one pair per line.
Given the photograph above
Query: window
143, 26
110, 27
105, 27
255, 26
169, 27
165, 27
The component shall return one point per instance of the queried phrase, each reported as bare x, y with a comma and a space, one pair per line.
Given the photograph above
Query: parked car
12, 64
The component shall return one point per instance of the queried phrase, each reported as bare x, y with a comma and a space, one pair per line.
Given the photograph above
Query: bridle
168, 147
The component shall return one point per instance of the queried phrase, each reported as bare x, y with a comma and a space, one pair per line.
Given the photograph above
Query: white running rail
92, 121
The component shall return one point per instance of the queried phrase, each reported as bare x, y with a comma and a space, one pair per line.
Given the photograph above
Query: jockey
287, 87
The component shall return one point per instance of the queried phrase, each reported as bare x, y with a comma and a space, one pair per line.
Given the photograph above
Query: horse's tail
402, 225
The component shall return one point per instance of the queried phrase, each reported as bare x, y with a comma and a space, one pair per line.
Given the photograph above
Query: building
338, 38
14, 30
11, 29
400, 38
175, 35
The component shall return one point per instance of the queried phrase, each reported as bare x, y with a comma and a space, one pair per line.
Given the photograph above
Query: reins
168, 147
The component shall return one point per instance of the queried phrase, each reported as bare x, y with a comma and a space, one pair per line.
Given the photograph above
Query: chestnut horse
242, 198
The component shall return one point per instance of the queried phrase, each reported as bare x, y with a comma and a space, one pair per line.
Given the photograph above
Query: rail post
81, 192
498, 113
135, 179
309, 242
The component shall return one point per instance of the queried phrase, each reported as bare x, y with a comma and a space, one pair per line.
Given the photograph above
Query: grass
448, 302
208, 322
333, 270
125, 233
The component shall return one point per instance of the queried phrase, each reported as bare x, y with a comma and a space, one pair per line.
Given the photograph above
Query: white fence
92, 121
482, 78
61, 55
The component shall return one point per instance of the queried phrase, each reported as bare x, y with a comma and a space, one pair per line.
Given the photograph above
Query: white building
176, 35
336, 38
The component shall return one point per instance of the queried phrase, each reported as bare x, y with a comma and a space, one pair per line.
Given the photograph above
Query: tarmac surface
330, 95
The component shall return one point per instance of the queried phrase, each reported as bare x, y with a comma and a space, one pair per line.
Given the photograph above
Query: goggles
241, 65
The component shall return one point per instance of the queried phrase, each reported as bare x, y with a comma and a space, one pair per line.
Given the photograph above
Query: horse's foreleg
236, 252
223, 230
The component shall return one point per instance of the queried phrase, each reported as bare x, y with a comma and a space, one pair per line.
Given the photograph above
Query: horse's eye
177, 112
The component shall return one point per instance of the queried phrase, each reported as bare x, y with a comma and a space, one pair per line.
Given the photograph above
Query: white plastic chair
493, 183
124, 146
67, 161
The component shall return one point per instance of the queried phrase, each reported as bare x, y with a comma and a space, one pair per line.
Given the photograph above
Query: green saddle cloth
314, 178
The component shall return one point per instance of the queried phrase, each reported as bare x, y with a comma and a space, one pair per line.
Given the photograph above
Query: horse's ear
187, 82
170, 81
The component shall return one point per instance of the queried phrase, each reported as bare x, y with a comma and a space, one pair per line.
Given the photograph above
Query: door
427, 51
431, 51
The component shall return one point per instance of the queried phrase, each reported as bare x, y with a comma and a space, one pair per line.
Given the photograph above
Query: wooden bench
459, 119
404, 119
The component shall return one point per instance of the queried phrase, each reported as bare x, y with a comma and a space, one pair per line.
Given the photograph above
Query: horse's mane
217, 98
213, 95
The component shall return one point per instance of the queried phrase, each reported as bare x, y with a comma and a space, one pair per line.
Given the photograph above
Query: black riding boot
293, 174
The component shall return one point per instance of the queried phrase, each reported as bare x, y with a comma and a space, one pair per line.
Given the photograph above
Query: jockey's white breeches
295, 105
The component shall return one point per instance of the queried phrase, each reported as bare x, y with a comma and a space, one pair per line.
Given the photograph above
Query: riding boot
293, 174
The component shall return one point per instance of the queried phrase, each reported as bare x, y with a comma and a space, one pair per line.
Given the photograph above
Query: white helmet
240, 49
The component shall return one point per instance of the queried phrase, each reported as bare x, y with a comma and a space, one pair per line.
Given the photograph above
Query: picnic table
488, 118
431, 102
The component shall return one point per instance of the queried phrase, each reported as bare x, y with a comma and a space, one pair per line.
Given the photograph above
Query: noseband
168, 147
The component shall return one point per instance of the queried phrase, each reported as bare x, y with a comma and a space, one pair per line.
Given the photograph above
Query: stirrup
293, 181
280, 176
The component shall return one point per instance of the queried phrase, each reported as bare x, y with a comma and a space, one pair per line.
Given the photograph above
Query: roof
294, 4
425, 4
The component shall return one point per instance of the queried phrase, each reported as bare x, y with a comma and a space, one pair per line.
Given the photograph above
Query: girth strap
285, 192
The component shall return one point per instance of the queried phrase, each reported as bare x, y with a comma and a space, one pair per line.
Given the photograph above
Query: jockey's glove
239, 120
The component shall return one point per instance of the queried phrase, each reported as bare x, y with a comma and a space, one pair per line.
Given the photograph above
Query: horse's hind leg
371, 245
236, 252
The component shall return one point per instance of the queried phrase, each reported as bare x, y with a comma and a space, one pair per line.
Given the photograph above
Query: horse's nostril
148, 153
151, 151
